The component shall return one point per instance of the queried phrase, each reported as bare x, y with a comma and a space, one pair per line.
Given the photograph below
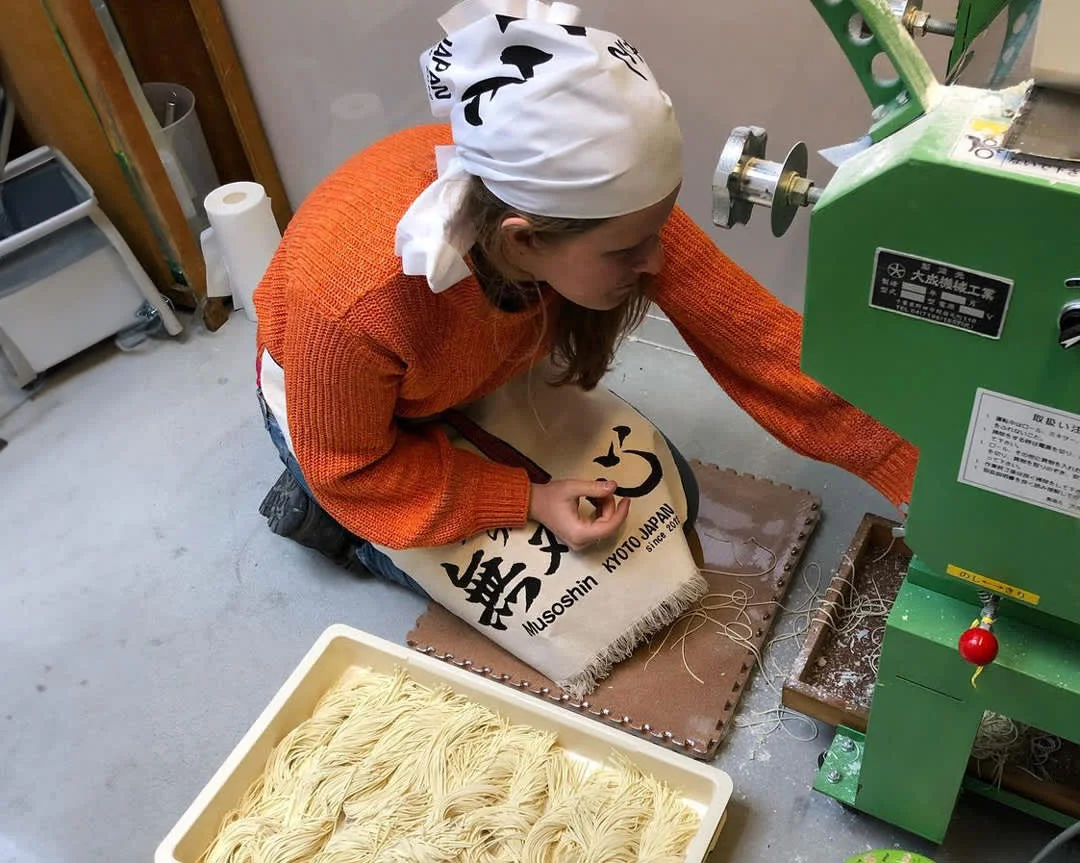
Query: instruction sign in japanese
1025, 451
941, 293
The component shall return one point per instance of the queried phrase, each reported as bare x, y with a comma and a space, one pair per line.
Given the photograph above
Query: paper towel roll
217, 277
246, 234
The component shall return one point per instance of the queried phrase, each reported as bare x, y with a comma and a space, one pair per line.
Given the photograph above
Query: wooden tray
835, 683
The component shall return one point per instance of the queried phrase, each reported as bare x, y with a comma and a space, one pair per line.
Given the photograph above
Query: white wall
331, 76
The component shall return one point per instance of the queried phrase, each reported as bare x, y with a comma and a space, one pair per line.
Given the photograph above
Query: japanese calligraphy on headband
556, 118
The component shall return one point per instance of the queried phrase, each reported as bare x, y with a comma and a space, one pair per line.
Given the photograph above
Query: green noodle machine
943, 298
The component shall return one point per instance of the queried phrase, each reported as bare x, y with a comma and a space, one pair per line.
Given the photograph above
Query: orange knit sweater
365, 349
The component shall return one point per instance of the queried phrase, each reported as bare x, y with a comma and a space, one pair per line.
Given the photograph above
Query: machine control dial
745, 178
1069, 325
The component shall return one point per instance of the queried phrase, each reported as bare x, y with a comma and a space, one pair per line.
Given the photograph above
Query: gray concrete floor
147, 615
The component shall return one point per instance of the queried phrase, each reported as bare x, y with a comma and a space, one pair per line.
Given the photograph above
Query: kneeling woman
401, 291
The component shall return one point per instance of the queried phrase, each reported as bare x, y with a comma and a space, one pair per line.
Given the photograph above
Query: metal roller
744, 178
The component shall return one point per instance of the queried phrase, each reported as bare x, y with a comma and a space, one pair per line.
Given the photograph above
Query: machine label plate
1025, 451
940, 293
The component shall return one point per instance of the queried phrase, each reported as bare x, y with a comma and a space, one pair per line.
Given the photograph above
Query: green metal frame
841, 768
910, 195
928, 713
1022, 17
973, 17
838, 776
896, 103
1015, 801
920, 378
900, 101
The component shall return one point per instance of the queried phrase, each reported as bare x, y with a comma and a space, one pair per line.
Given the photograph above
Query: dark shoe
285, 506
291, 513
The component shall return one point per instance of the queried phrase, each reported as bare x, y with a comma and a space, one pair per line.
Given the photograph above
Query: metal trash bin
186, 144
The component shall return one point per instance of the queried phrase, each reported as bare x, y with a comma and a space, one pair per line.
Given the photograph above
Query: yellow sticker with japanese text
993, 584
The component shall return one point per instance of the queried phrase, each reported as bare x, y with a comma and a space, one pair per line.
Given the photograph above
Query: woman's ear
518, 235
521, 249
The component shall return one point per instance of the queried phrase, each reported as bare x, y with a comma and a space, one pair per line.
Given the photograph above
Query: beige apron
570, 615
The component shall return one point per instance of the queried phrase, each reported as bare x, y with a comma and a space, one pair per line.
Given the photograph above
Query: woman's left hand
557, 505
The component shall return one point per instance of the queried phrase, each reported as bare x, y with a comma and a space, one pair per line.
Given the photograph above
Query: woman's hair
583, 341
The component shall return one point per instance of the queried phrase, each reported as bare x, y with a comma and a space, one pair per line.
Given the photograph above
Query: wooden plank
814, 702
833, 711
1061, 798
165, 44
104, 81
55, 111
234, 84
216, 312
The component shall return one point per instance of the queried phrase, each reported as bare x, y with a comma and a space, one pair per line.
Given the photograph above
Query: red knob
979, 646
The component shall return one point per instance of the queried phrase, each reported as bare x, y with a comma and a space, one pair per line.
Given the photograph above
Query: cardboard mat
751, 533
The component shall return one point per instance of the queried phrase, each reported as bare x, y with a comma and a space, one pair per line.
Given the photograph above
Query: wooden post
230, 73
103, 79
164, 43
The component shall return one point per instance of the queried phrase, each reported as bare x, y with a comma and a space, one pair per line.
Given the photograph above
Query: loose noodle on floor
389, 771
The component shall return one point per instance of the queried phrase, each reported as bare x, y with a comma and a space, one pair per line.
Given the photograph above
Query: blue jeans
373, 560
377, 563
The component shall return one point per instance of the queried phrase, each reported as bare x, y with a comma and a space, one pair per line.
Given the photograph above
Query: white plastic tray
340, 648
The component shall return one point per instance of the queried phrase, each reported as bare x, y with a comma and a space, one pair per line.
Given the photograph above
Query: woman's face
602, 267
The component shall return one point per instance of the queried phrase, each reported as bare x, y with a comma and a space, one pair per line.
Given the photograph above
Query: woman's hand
556, 505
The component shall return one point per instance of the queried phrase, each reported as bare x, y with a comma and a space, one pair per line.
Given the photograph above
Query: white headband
556, 119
